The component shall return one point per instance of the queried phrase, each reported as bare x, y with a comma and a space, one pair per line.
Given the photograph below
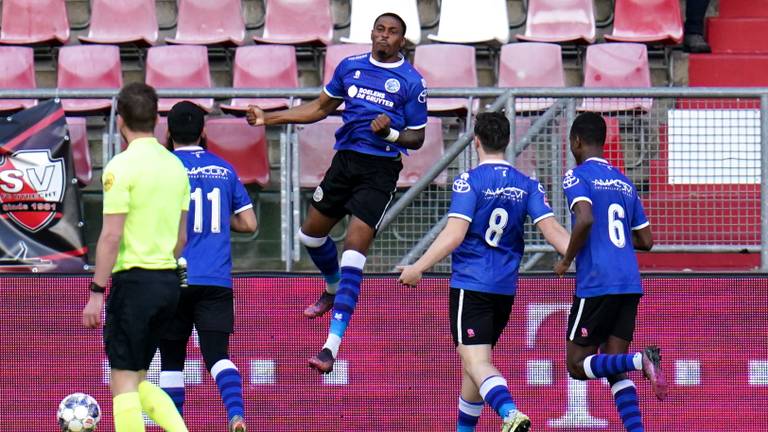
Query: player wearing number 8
485, 232
218, 202
608, 224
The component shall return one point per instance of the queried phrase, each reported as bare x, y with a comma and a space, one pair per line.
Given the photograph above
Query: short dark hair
137, 105
590, 127
492, 128
394, 16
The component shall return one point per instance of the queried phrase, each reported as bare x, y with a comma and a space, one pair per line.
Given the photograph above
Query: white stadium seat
365, 11
478, 21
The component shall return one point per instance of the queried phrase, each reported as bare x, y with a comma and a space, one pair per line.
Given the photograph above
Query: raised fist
380, 125
255, 116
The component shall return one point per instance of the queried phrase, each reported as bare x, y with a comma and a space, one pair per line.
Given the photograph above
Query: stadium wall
397, 369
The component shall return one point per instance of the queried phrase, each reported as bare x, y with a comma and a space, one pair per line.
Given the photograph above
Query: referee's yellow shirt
150, 185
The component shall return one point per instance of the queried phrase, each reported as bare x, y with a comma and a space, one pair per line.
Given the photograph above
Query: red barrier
398, 370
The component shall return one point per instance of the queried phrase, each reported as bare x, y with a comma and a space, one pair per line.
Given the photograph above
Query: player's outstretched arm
244, 222
642, 239
309, 112
579, 235
449, 239
412, 139
555, 234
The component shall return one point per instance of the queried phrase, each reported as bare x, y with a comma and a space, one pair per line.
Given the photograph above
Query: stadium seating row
310, 22
274, 66
246, 147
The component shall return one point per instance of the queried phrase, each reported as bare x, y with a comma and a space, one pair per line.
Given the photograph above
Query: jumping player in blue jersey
385, 115
485, 232
219, 202
608, 225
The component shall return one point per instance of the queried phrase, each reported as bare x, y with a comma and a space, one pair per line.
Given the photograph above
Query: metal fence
694, 154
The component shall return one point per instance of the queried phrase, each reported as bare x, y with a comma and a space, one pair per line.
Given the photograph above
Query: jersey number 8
615, 226
496, 224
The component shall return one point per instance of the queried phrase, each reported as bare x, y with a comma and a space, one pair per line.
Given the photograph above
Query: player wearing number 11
486, 223
608, 224
218, 202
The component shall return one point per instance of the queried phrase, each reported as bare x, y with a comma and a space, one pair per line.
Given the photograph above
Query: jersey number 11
214, 197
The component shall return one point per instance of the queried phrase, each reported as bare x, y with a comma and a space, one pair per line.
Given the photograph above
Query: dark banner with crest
40, 217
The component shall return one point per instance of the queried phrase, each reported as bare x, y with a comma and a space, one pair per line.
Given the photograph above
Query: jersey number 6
615, 226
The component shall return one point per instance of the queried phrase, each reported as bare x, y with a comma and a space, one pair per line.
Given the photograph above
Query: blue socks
230, 384
352, 263
496, 394
173, 384
323, 253
625, 396
469, 415
605, 365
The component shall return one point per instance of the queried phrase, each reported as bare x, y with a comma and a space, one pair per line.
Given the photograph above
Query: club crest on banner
32, 186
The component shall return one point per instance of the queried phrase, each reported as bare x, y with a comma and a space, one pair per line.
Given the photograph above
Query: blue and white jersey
216, 194
369, 88
496, 199
607, 263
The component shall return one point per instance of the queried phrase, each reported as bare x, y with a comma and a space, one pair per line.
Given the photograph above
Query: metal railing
699, 157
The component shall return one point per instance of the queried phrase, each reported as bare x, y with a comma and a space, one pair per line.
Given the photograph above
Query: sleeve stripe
641, 226
244, 208
422, 126
460, 216
577, 199
542, 217
325, 89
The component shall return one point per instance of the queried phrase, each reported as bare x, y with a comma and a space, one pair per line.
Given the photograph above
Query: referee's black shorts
207, 307
140, 305
358, 184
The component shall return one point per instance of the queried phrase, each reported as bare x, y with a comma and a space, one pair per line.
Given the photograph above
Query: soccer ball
78, 412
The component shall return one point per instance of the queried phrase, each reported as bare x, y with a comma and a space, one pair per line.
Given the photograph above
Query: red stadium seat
469, 22
315, 141
81, 156
244, 146
364, 12
42, 22
419, 161
137, 18
263, 66
297, 22
161, 133
615, 65
161, 130
204, 22
89, 66
447, 65
17, 71
531, 65
334, 54
178, 67
648, 21
560, 21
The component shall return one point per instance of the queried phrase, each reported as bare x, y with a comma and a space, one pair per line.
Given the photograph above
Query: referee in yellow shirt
146, 198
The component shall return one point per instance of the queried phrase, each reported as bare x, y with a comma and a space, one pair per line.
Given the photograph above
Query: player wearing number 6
218, 202
485, 230
608, 224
